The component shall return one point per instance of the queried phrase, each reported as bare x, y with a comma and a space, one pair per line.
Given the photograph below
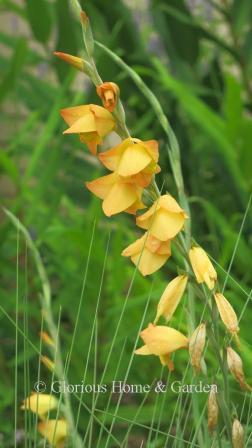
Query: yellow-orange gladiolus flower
202, 267
148, 253
161, 341
71, 60
196, 346
40, 404
131, 157
227, 313
237, 434
91, 122
55, 431
119, 194
109, 93
236, 368
164, 219
171, 297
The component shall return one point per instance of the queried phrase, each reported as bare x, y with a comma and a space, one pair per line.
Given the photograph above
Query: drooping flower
71, 60
55, 431
91, 122
148, 253
119, 194
131, 157
227, 313
164, 219
237, 434
109, 93
196, 346
39, 403
202, 267
161, 341
171, 297
213, 411
236, 368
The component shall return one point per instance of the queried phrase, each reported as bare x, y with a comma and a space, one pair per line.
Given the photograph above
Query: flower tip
84, 18
75, 61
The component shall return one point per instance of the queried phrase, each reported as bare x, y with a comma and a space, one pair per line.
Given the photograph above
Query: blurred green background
196, 56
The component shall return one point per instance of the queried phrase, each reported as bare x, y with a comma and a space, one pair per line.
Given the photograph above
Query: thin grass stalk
129, 365
16, 340
45, 300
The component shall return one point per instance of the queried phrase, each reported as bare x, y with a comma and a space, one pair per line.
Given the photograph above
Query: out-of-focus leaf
132, 45
66, 41
40, 19
11, 41
246, 153
8, 165
213, 125
13, 7
241, 12
170, 26
15, 68
232, 107
247, 51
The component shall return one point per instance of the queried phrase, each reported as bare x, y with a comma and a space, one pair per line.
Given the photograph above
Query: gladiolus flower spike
130, 187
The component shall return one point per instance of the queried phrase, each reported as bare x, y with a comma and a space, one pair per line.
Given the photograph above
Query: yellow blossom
40, 404
213, 411
171, 297
118, 193
148, 253
161, 341
202, 267
196, 346
236, 368
237, 434
72, 60
55, 431
91, 122
164, 219
132, 156
227, 313
109, 93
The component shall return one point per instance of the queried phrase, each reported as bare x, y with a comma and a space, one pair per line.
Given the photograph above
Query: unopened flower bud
227, 313
202, 267
196, 346
213, 411
236, 368
109, 93
237, 434
71, 60
171, 297
87, 34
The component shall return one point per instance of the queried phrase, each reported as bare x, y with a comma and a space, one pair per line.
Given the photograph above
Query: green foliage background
197, 59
